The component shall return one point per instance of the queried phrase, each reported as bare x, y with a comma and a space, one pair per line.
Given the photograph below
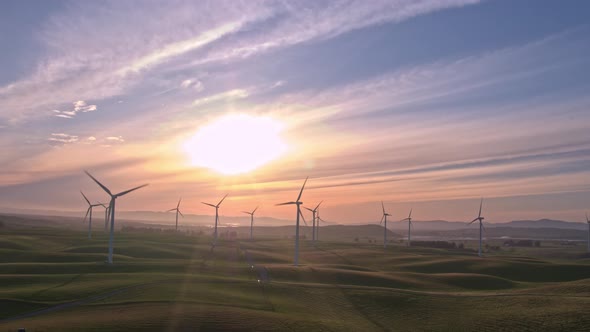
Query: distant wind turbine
588, 221
384, 218
216, 216
480, 218
106, 215
317, 232
298, 203
409, 219
89, 211
251, 221
313, 229
112, 210
177, 209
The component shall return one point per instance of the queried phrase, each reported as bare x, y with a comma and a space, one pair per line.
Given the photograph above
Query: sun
236, 143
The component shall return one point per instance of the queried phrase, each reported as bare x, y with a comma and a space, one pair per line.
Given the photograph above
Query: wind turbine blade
383, 206
100, 184
218, 204
86, 198
170, 210
480, 204
383, 217
178, 205
255, 210
209, 204
301, 191
130, 190
410, 215
302, 217
87, 212
472, 221
245, 212
181, 213
287, 203
318, 205
587, 220
308, 209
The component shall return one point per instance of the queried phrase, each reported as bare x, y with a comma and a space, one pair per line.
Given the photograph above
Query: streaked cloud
80, 106
61, 138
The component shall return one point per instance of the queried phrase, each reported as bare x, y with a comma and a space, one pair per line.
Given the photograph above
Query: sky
428, 105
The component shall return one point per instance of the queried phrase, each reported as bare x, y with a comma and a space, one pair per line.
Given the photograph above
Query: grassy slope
170, 282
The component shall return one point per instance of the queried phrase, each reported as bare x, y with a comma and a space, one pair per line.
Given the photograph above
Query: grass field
55, 279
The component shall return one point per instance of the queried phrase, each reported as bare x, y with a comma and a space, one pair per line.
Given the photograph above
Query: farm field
55, 279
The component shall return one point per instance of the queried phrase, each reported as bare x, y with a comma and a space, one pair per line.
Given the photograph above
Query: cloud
193, 84
115, 139
224, 96
61, 138
79, 106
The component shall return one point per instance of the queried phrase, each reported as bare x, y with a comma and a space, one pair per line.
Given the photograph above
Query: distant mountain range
194, 219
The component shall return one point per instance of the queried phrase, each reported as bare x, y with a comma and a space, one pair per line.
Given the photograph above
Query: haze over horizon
427, 105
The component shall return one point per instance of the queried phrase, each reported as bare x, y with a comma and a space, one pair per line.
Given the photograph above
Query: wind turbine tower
216, 217
409, 219
480, 219
251, 222
298, 203
112, 211
384, 218
313, 229
177, 209
89, 211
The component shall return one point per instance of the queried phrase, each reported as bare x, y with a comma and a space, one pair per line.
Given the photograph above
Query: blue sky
423, 104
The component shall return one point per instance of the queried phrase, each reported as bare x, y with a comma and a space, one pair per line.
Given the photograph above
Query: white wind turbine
251, 221
177, 209
216, 216
480, 219
89, 211
409, 219
112, 211
298, 203
313, 228
384, 218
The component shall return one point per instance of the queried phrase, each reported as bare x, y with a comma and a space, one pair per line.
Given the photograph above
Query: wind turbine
588, 221
177, 209
112, 210
89, 211
313, 229
251, 221
106, 215
317, 232
409, 219
298, 203
216, 216
385, 215
480, 218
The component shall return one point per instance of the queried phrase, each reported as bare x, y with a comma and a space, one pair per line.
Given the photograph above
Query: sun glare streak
236, 143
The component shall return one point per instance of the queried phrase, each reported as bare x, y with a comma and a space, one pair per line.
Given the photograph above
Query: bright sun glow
236, 143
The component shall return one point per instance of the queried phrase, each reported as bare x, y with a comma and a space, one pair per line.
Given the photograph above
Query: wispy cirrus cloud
112, 63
